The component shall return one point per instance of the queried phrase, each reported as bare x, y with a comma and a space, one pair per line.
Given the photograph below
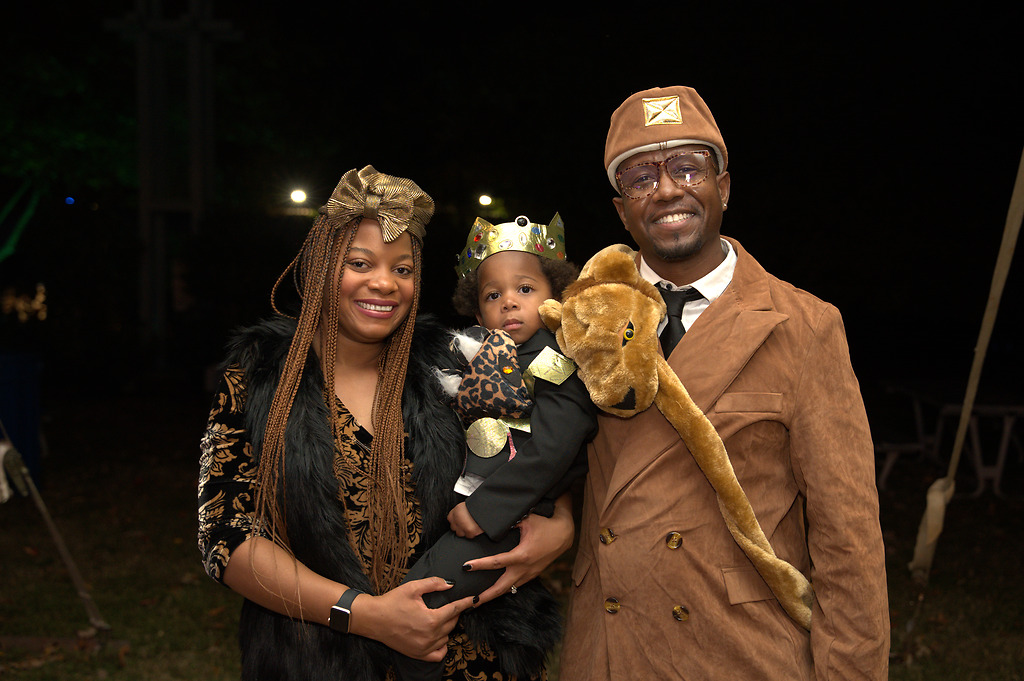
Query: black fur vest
519, 629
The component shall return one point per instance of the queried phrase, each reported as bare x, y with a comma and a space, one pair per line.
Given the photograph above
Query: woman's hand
541, 541
402, 621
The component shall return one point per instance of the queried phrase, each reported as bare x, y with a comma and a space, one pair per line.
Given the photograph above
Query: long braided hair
400, 206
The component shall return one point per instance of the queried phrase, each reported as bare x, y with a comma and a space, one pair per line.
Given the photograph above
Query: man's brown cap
661, 118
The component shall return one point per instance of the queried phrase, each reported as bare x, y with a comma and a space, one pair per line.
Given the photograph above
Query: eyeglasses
686, 169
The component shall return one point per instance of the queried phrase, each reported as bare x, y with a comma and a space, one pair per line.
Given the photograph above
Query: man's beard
679, 249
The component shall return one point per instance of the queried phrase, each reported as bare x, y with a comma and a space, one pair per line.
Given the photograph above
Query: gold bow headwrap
396, 203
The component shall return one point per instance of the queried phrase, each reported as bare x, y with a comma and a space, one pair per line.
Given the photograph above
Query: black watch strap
341, 612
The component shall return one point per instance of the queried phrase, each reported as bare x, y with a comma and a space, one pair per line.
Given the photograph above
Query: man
662, 591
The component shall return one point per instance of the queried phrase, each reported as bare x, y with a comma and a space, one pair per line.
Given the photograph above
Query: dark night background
872, 155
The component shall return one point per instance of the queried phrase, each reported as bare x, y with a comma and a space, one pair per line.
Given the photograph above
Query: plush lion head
608, 323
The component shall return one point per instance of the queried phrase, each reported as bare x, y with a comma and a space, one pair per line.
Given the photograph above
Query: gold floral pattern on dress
226, 476
461, 651
464, 659
234, 379
355, 487
216, 559
217, 449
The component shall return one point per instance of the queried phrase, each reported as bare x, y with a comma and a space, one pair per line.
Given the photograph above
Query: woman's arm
263, 572
266, 574
541, 541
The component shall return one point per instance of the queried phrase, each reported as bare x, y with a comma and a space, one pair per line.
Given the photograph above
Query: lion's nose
628, 402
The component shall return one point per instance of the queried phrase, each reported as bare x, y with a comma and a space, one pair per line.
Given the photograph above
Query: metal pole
22, 479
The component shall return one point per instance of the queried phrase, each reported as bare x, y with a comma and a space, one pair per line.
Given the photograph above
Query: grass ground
119, 481
120, 484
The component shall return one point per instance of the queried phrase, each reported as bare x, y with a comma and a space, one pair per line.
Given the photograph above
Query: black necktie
674, 301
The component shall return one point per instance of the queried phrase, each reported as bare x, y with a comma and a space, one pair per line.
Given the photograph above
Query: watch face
339, 619
341, 611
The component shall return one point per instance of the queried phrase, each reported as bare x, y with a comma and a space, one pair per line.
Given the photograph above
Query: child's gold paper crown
485, 239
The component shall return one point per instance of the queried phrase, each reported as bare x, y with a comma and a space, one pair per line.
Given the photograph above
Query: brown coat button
607, 536
611, 605
674, 540
679, 612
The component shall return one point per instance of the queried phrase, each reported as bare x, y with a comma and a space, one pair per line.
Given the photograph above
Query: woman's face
375, 294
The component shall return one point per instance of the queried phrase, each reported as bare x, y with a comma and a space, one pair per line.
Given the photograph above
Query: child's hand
462, 522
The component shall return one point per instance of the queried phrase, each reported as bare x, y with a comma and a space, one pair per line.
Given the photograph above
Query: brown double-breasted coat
661, 590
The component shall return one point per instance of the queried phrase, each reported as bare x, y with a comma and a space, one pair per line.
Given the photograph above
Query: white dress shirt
710, 286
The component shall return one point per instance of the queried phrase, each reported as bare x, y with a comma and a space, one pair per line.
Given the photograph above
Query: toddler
528, 415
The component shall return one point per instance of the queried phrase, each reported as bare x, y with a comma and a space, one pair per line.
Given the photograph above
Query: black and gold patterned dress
226, 506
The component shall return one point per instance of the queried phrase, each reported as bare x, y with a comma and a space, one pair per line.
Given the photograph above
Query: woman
329, 459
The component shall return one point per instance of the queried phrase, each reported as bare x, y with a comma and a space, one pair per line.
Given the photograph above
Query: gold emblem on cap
662, 111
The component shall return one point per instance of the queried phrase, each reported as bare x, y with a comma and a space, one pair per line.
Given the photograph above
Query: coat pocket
745, 585
770, 403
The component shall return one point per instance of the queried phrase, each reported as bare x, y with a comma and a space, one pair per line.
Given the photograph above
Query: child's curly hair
559, 273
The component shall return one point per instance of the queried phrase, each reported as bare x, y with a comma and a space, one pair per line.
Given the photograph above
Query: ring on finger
513, 590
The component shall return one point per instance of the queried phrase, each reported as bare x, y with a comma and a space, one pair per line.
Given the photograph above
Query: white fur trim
449, 382
467, 345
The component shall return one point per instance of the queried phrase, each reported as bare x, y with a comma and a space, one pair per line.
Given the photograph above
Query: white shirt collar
710, 286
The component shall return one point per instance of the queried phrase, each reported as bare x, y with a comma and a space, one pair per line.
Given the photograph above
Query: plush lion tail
788, 584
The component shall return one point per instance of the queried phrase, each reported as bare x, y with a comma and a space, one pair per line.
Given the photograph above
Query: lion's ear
601, 259
614, 263
551, 313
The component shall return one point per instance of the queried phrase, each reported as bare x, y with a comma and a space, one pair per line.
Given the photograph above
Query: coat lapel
707, 360
719, 344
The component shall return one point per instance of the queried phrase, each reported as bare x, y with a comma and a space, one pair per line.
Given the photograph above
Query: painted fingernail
466, 567
449, 582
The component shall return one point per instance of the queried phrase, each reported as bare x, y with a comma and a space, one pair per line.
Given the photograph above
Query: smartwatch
341, 612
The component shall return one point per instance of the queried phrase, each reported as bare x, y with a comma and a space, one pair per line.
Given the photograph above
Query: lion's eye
628, 333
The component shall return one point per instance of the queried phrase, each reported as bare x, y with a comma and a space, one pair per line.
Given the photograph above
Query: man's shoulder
808, 315
785, 296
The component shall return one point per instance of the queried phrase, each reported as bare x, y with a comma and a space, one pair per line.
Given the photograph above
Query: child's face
511, 286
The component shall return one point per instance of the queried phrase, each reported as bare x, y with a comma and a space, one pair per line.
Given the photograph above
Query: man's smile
673, 217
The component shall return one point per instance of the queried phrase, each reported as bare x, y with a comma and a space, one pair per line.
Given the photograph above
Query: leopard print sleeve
226, 476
